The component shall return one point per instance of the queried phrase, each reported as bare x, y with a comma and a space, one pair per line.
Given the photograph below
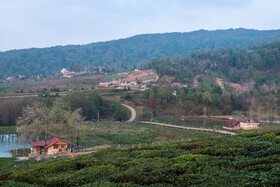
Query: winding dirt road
133, 113
133, 116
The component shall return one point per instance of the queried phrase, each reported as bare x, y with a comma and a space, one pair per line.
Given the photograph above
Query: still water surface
9, 142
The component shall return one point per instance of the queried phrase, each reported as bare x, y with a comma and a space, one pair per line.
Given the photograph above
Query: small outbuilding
64, 71
243, 123
52, 146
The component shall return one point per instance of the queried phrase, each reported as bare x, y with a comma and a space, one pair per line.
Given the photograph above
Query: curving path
188, 128
133, 116
16, 96
133, 113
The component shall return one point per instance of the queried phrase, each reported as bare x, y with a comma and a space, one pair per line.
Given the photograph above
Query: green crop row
247, 159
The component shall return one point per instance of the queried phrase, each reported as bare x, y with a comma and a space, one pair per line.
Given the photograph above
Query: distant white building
21, 76
64, 71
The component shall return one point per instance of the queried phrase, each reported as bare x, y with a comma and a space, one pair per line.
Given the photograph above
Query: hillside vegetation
249, 159
127, 52
261, 64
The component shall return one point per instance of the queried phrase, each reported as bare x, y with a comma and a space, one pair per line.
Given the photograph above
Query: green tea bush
250, 159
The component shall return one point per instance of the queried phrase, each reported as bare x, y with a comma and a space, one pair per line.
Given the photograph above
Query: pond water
9, 142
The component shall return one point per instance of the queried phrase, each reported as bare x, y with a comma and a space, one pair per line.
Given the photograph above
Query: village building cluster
136, 78
70, 74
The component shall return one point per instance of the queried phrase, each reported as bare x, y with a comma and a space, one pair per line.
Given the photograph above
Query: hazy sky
43, 23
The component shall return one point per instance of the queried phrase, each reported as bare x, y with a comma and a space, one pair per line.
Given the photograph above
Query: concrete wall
234, 128
248, 125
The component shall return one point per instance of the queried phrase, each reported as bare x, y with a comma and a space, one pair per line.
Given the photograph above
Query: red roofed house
241, 123
54, 145
176, 84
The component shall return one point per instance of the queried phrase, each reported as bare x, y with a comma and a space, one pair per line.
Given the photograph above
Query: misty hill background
128, 52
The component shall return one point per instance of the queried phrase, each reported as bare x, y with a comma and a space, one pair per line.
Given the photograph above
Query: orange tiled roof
48, 143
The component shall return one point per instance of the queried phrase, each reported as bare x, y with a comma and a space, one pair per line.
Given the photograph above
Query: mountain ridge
128, 51
137, 35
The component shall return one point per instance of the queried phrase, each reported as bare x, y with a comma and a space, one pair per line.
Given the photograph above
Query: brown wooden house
52, 146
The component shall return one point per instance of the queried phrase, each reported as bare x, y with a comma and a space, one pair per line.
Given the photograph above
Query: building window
55, 146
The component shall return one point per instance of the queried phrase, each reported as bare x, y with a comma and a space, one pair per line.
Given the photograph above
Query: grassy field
123, 134
61, 83
8, 130
191, 122
115, 133
250, 159
263, 128
218, 124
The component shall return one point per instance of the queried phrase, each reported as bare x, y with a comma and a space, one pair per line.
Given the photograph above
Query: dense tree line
127, 52
10, 108
204, 100
92, 106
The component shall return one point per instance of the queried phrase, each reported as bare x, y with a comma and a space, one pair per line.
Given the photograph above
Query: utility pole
141, 110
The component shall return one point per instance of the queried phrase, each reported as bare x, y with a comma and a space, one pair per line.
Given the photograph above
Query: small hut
52, 146
244, 123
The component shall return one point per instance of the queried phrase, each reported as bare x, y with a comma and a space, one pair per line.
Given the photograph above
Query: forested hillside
261, 65
127, 52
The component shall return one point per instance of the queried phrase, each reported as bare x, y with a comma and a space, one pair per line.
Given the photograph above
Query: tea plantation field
251, 159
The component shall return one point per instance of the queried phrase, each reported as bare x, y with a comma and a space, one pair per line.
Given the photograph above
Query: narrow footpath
17, 96
188, 128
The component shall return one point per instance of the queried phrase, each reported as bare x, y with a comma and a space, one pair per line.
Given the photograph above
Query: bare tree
34, 122
255, 107
78, 119
66, 122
